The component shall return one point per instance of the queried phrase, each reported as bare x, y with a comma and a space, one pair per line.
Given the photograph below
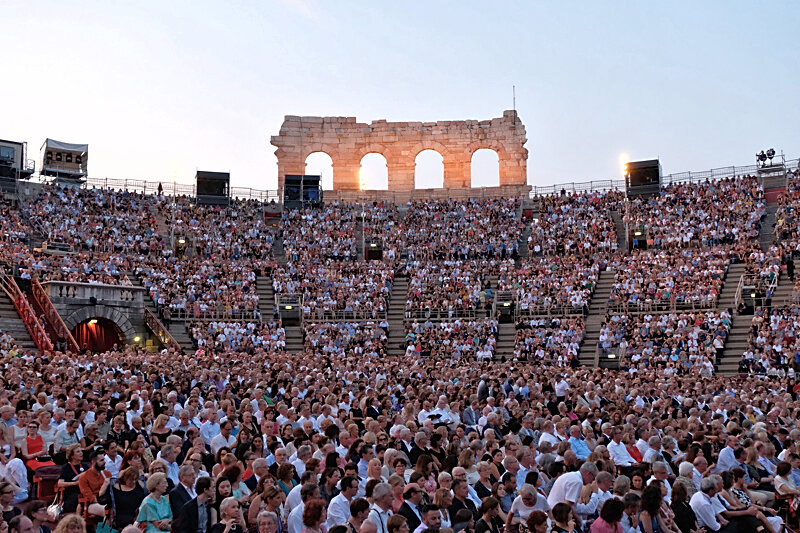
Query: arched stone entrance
347, 141
126, 329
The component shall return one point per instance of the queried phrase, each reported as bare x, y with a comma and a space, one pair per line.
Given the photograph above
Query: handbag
55, 509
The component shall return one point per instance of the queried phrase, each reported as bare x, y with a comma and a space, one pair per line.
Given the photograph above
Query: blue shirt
580, 448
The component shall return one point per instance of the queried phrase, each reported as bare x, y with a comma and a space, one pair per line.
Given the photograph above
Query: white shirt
379, 516
567, 488
706, 517
562, 387
295, 521
293, 499
113, 465
338, 511
221, 442
549, 437
620, 454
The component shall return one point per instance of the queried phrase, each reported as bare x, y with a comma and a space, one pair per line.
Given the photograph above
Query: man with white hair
382, 507
686, 478
660, 474
529, 500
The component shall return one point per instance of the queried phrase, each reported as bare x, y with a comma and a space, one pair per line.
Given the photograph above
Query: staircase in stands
11, 323
619, 225
396, 316
598, 305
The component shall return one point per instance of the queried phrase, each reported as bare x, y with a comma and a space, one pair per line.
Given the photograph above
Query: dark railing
160, 330
52, 316
27, 314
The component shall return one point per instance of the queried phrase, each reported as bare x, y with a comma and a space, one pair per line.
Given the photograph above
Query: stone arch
348, 141
428, 173
325, 171
487, 144
126, 329
377, 168
484, 168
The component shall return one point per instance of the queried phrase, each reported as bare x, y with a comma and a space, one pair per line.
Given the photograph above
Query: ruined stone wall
347, 142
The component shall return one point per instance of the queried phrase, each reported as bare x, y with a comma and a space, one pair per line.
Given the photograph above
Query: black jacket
411, 516
178, 498
186, 519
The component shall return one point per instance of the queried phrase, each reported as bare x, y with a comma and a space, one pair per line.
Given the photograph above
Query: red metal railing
161, 331
52, 316
27, 314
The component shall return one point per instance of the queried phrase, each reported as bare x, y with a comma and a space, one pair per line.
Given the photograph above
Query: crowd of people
708, 213
221, 337
337, 289
575, 224
678, 342
554, 340
552, 284
280, 442
773, 346
652, 278
242, 434
462, 339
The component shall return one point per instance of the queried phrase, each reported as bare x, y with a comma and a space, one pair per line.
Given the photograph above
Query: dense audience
242, 435
700, 214
459, 339
449, 289
549, 340
552, 284
575, 224
773, 346
677, 342
653, 278
337, 289
461, 230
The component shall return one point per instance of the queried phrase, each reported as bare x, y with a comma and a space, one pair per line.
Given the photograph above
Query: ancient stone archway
126, 329
347, 141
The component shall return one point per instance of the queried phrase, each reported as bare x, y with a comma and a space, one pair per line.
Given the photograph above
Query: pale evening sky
159, 89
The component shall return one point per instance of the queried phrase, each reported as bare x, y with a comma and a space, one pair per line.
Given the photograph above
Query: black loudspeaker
213, 187
300, 190
311, 189
644, 173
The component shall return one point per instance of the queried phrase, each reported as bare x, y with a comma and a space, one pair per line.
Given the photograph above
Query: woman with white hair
231, 518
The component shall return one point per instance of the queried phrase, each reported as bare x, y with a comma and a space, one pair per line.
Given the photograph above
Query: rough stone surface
347, 142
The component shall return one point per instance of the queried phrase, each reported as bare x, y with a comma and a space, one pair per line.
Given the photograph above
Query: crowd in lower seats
239, 337
677, 342
332, 289
346, 338
699, 214
553, 284
554, 341
448, 289
469, 339
773, 345
655, 278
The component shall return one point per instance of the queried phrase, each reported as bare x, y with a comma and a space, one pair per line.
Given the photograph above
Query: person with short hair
155, 511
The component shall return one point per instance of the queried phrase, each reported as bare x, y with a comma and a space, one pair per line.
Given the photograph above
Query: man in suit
260, 469
195, 515
184, 490
412, 498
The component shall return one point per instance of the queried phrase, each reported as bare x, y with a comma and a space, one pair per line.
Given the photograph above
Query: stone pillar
457, 171
514, 169
289, 164
401, 174
345, 174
